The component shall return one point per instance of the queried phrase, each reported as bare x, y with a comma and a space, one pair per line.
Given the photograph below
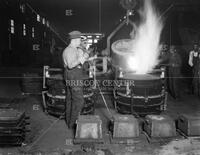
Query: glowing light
133, 62
12, 22
146, 46
24, 29
38, 18
43, 21
12, 26
90, 41
22, 8
33, 32
47, 23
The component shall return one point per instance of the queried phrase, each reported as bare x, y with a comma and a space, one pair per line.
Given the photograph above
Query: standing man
196, 77
193, 56
174, 72
193, 62
73, 60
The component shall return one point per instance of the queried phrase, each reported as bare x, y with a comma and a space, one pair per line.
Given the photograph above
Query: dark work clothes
74, 98
174, 75
196, 78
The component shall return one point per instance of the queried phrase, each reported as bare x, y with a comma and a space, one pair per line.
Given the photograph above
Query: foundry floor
49, 134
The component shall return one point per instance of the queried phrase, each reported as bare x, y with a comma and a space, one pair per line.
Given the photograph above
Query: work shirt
73, 57
193, 58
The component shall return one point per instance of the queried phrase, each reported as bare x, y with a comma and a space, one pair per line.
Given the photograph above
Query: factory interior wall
17, 49
21, 53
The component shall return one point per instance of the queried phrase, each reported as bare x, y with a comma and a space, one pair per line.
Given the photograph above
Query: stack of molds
12, 127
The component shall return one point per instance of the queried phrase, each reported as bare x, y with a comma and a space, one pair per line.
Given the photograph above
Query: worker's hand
91, 49
92, 58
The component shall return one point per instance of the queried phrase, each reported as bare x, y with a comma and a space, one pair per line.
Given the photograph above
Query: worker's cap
75, 34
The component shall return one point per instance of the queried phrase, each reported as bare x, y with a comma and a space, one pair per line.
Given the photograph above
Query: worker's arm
190, 62
83, 53
70, 56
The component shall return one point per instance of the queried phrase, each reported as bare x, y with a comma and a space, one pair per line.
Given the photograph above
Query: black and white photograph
99, 77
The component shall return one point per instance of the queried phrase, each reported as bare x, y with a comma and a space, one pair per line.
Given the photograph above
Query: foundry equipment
146, 94
54, 94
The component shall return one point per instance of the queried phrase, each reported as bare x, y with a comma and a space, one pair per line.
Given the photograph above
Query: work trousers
74, 96
174, 78
196, 80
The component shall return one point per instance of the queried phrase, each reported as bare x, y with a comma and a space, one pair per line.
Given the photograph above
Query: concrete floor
49, 134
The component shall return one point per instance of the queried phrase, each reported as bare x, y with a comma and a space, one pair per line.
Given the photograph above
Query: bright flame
146, 46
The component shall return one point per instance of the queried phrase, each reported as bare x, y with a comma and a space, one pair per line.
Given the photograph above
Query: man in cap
73, 61
193, 55
193, 62
196, 73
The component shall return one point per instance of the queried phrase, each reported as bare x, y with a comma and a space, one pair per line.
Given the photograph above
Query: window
38, 18
22, 8
24, 30
33, 32
95, 40
90, 41
47, 23
12, 26
43, 21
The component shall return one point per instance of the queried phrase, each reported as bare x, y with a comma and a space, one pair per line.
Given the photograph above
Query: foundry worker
196, 71
73, 60
193, 62
85, 50
174, 72
193, 55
